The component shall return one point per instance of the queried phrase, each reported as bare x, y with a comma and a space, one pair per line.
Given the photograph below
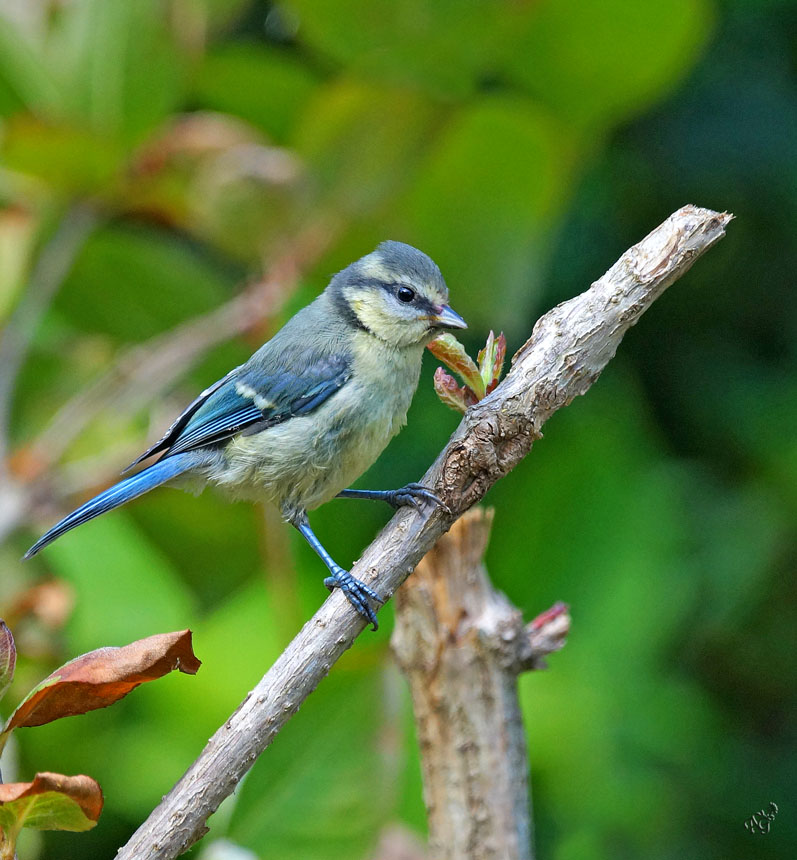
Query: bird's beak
448, 318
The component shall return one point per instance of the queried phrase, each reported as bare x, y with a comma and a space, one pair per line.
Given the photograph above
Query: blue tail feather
127, 489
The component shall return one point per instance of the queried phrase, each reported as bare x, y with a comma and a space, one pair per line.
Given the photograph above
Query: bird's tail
118, 494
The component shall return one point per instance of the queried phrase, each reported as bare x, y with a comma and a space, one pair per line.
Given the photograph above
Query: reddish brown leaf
449, 392
8, 658
452, 353
102, 677
51, 802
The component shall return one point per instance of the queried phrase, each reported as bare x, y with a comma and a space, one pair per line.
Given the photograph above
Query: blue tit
312, 409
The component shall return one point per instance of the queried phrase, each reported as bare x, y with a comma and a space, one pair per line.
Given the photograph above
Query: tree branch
462, 645
566, 353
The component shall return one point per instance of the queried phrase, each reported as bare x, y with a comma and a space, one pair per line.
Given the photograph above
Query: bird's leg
413, 495
357, 593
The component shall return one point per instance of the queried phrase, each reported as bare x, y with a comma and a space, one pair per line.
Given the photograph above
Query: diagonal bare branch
565, 354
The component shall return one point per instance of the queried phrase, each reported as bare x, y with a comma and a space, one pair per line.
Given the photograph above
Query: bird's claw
357, 593
415, 495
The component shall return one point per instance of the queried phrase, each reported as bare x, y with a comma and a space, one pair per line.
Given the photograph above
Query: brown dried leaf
452, 353
51, 802
102, 677
8, 658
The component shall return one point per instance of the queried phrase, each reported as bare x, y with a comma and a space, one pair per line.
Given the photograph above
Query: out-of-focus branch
53, 265
566, 353
462, 645
143, 372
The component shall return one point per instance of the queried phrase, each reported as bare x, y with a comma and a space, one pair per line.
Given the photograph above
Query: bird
311, 410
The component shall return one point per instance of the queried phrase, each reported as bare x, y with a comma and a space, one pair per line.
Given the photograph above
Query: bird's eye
405, 294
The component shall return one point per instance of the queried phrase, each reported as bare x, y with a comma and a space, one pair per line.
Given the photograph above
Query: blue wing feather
229, 406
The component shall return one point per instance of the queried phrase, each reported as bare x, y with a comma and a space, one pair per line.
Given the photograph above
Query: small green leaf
8, 658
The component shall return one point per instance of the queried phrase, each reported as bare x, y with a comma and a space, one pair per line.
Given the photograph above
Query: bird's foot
413, 495
357, 593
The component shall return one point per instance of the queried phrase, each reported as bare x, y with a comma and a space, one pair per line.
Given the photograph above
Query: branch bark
568, 349
462, 645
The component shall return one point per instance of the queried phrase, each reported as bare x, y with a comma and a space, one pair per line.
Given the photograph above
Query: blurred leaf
484, 201
70, 159
51, 802
445, 47
23, 75
362, 141
102, 677
133, 282
597, 61
17, 235
204, 535
8, 658
49, 602
215, 14
214, 175
122, 67
265, 87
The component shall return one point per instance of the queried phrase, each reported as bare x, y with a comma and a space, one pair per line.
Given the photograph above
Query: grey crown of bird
312, 409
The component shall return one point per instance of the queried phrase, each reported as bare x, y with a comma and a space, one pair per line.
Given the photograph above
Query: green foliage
598, 61
524, 146
111, 567
132, 283
332, 759
265, 87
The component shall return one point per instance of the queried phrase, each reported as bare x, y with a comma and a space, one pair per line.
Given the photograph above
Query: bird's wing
252, 398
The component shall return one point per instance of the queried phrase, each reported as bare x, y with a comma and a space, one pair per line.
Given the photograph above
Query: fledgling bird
312, 409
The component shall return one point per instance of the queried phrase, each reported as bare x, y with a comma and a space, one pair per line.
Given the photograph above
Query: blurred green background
160, 159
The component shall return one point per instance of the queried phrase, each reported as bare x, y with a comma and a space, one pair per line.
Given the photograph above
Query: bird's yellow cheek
370, 314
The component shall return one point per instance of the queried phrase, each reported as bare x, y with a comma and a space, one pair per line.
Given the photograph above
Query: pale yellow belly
308, 460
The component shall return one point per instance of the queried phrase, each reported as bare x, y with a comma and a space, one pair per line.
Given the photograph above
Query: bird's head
397, 294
